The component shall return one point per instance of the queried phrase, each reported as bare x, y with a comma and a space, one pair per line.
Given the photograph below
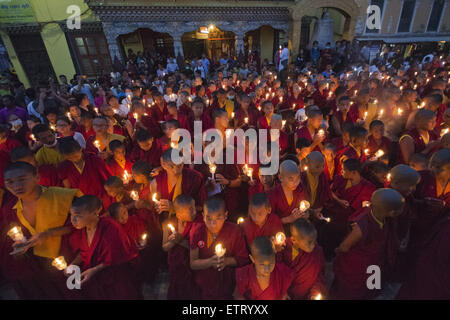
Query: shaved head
304, 227
262, 247
315, 156
387, 200
289, 167
403, 174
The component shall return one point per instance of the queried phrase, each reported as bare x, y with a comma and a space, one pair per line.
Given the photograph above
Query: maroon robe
308, 269
49, 176
350, 268
323, 193
117, 170
213, 284
182, 285
270, 228
9, 144
112, 247
248, 286
91, 180
373, 146
303, 132
348, 153
419, 144
152, 156
134, 228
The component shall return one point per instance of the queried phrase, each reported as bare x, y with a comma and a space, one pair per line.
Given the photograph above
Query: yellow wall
14, 59
266, 42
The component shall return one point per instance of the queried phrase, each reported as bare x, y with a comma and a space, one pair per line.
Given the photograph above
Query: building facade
40, 40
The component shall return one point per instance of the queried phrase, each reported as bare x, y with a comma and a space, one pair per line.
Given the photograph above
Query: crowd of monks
363, 181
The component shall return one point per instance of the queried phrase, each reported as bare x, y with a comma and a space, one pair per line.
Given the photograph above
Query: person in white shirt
284, 57
172, 65
206, 64
170, 96
161, 72
119, 109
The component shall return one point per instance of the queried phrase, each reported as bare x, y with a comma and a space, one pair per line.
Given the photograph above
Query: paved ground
158, 290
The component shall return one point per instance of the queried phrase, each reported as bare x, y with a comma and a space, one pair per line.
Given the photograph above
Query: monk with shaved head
264, 279
367, 244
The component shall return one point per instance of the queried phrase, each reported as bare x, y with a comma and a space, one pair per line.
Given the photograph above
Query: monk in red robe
285, 198
173, 114
260, 222
261, 183
118, 163
377, 141
48, 175
348, 191
86, 172
105, 253
147, 149
7, 144
264, 121
199, 113
247, 115
314, 181
176, 243
264, 278
311, 131
366, 245
213, 268
133, 226
355, 149
117, 192
42, 215
306, 260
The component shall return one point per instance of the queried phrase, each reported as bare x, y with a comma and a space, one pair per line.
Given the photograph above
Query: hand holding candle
143, 240
59, 263
97, 145
280, 238
134, 195
304, 205
240, 220
16, 234
212, 169
220, 250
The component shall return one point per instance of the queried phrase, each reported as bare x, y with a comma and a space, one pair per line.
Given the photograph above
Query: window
406, 16
92, 52
380, 4
435, 15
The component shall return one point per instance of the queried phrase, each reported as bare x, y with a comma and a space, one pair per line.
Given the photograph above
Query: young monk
175, 179
329, 153
314, 181
147, 149
285, 198
260, 222
6, 143
48, 153
48, 175
134, 226
104, 252
182, 285
305, 258
214, 275
418, 162
261, 183
264, 121
421, 139
376, 173
264, 278
367, 244
302, 149
355, 149
103, 138
116, 192
42, 214
348, 191
311, 130
168, 128
377, 141
118, 163
86, 172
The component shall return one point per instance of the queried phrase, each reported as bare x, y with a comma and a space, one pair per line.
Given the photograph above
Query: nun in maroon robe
213, 284
112, 247
116, 169
248, 286
308, 270
278, 201
152, 156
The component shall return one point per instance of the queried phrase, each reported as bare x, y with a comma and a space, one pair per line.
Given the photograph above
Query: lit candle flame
97, 145
304, 205
388, 177
96, 110
220, 250
33, 137
305, 168
444, 132
399, 111
283, 122
317, 297
134, 195
59, 263
232, 115
240, 220
366, 204
321, 132
154, 198
366, 152
381, 112
171, 228
143, 240
246, 119
69, 116
280, 238
16, 234
135, 115
53, 127
379, 153
126, 177
422, 105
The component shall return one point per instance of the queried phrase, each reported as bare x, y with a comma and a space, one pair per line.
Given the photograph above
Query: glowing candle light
259, 108
293, 106
399, 111
207, 102
321, 133
96, 110
267, 95
135, 116
143, 101
16, 234
415, 86
240, 220
366, 152
365, 115
250, 173
422, 105
379, 153
97, 145
305, 168
381, 112
143, 240
317, 297
220, 250
246, 119
401, 88
356, 91
281, 99
69, 116
415, 73
280, 238
388, 177
154, 198
283, 123
330, 94
171, 228
172, 145
228, 133
232, 115
33, 137
444, 132
212, 169
59, 263
53, 127
129, 106
304, 205
126, 177
273, 94
134, 195
366, 204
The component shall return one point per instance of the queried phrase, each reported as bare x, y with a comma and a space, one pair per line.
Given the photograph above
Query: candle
143, 240
415, 86
250, 173
381, 113
232, 115
444, 132
97, 145
388, 177
283, 123
365, 115
220, 250
321, 133
366, 152
143, 101
356, 91
135, 115
366, 204
52, 126
154, 198
401, 88
273, 94
293, 106
317, 297
96, 110
305, 168
69, 116
126, 177
212, 169
207, 102
16, 234
59, 263
33, 137
304, 205
281, 99
134, 195
422, 105
379, 153
228, 132
399, 111
240, 220
280, 238
267, 96
171, 228
246, 119
172, 145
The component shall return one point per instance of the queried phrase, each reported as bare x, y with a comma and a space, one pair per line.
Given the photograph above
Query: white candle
220, 250
143, 240
154, 198
171, 228
212, 169
59, 263
379, 153
304, 205
280, 238
240, 220
97, 145
16, 234
126, 177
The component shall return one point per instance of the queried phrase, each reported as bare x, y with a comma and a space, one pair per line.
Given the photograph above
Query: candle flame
135, 115
154, 197
59, 263
134, 195
317, 297
280, 238
366, 152
366, 204
171, 227
304, 205
33, 137
144, 236
444, 132
283, 122
388, 177
240, 220
212, 168
220, 250
246, 119
379, 153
